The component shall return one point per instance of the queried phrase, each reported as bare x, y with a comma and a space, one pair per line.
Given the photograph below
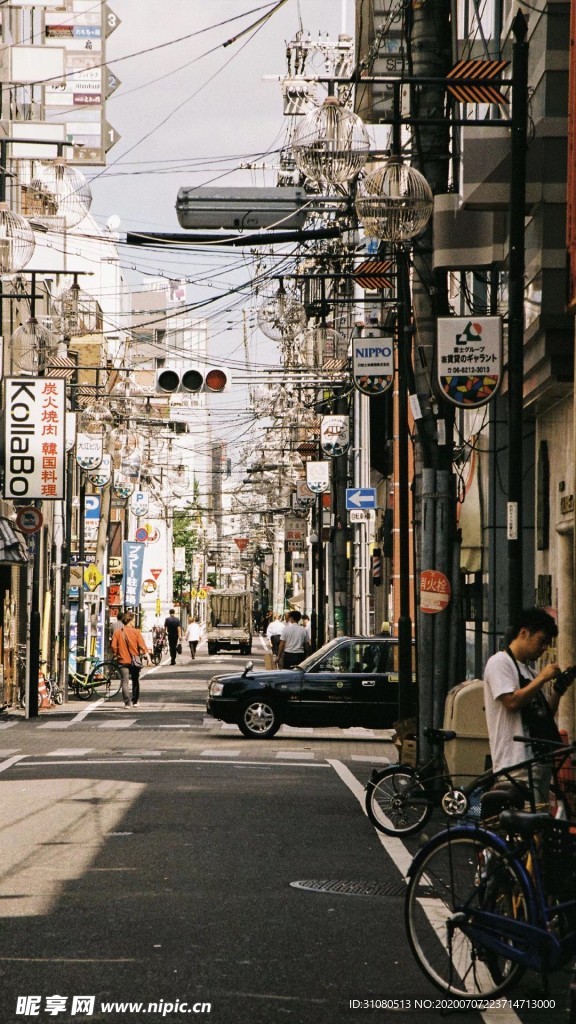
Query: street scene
287, 560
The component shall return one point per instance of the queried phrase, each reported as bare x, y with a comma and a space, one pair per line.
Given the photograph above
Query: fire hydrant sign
34, 438
435, 591
469, 359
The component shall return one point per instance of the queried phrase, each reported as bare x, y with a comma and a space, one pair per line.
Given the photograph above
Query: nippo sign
435, 591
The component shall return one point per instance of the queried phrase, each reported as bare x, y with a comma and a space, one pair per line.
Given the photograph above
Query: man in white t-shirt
293, 642
274, 632
504, 697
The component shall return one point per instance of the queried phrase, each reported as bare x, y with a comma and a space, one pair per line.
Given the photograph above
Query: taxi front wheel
258, 720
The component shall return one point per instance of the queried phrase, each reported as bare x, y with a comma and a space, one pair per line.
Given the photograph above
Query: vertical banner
132, 563
34, 438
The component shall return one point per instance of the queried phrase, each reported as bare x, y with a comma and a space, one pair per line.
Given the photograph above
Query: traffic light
191, 380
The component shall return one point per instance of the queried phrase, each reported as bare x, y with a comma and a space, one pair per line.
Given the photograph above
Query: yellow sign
157, 606
202, 594
92, 577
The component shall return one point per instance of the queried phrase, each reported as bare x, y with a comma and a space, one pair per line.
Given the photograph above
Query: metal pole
516, 314
405, 702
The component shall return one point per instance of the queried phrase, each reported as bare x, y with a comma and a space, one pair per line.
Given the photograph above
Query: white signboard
89, 450
318, 476
373, 362
34, 438
179, 559
140, 503
294, 528
469, 359
102, 476
335, 435
304, 496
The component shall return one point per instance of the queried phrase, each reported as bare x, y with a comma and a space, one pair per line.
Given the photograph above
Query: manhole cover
344, 887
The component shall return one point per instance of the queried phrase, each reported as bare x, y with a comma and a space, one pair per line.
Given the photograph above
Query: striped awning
13, 550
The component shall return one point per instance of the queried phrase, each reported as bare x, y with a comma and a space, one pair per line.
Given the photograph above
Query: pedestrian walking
274, 632
292, 642
193, 635
129, 647
173, 628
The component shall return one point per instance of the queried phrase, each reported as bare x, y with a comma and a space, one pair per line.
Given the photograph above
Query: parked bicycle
53, 692
99, 678
400, 799
484, 904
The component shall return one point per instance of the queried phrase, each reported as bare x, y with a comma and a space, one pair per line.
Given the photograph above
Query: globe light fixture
16, 241
60, 195
95, 418
395, 202
30, 346
126, 392
282, 316
322, 344
75, 312
331, 143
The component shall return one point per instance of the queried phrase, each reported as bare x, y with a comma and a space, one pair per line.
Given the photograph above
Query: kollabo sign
372, 362
34, 438
469, 359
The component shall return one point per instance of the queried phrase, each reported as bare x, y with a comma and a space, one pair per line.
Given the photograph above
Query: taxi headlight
216, 689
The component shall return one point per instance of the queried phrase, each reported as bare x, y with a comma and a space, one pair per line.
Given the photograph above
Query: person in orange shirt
129, 644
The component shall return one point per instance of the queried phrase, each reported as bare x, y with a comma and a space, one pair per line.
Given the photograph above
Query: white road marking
298, 755
10, 761
70, 752
219, 753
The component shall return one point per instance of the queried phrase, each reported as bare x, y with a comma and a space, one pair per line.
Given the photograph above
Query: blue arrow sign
360, 497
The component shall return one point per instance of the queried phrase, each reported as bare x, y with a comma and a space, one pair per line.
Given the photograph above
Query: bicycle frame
527, 942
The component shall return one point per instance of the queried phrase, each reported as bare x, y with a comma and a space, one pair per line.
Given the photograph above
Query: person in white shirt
293, 642
510, 685
193, 634
274, 632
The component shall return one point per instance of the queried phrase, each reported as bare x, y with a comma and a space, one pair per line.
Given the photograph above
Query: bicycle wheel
83, 691
105, 679
461, 905
397, 802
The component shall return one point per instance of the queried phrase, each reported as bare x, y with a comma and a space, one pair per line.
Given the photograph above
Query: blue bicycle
485, 904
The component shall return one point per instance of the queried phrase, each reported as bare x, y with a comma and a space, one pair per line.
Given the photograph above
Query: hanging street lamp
331, 143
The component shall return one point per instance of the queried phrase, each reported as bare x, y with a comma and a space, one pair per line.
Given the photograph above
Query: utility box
464, 712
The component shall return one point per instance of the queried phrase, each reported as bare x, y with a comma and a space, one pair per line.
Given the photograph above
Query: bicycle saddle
439, 735
497, 800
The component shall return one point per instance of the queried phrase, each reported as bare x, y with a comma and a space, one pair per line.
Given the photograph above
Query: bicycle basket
559, 858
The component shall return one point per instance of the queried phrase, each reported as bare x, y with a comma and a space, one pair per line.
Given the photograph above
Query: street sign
360, 497
92, 577
374, 274
361, 515
29, 519
435, 591
477, 86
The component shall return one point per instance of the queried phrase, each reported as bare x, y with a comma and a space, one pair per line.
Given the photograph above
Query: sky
188, 113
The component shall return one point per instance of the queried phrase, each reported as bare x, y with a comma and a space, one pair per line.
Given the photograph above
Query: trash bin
464, 712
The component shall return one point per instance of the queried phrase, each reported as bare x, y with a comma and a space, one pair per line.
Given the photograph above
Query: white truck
229, 621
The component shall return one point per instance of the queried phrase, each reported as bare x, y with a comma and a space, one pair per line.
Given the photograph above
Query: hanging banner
140, 503
469, 359
103, 474
318, 476
372, 362
132, 562
334, 435
179, 559
89, 450
34, 438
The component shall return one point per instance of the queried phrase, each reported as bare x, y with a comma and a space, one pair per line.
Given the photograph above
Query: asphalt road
153, 859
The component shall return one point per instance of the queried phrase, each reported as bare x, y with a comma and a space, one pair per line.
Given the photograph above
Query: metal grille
344, 887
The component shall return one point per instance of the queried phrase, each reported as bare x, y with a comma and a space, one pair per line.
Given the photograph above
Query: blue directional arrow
360, 497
